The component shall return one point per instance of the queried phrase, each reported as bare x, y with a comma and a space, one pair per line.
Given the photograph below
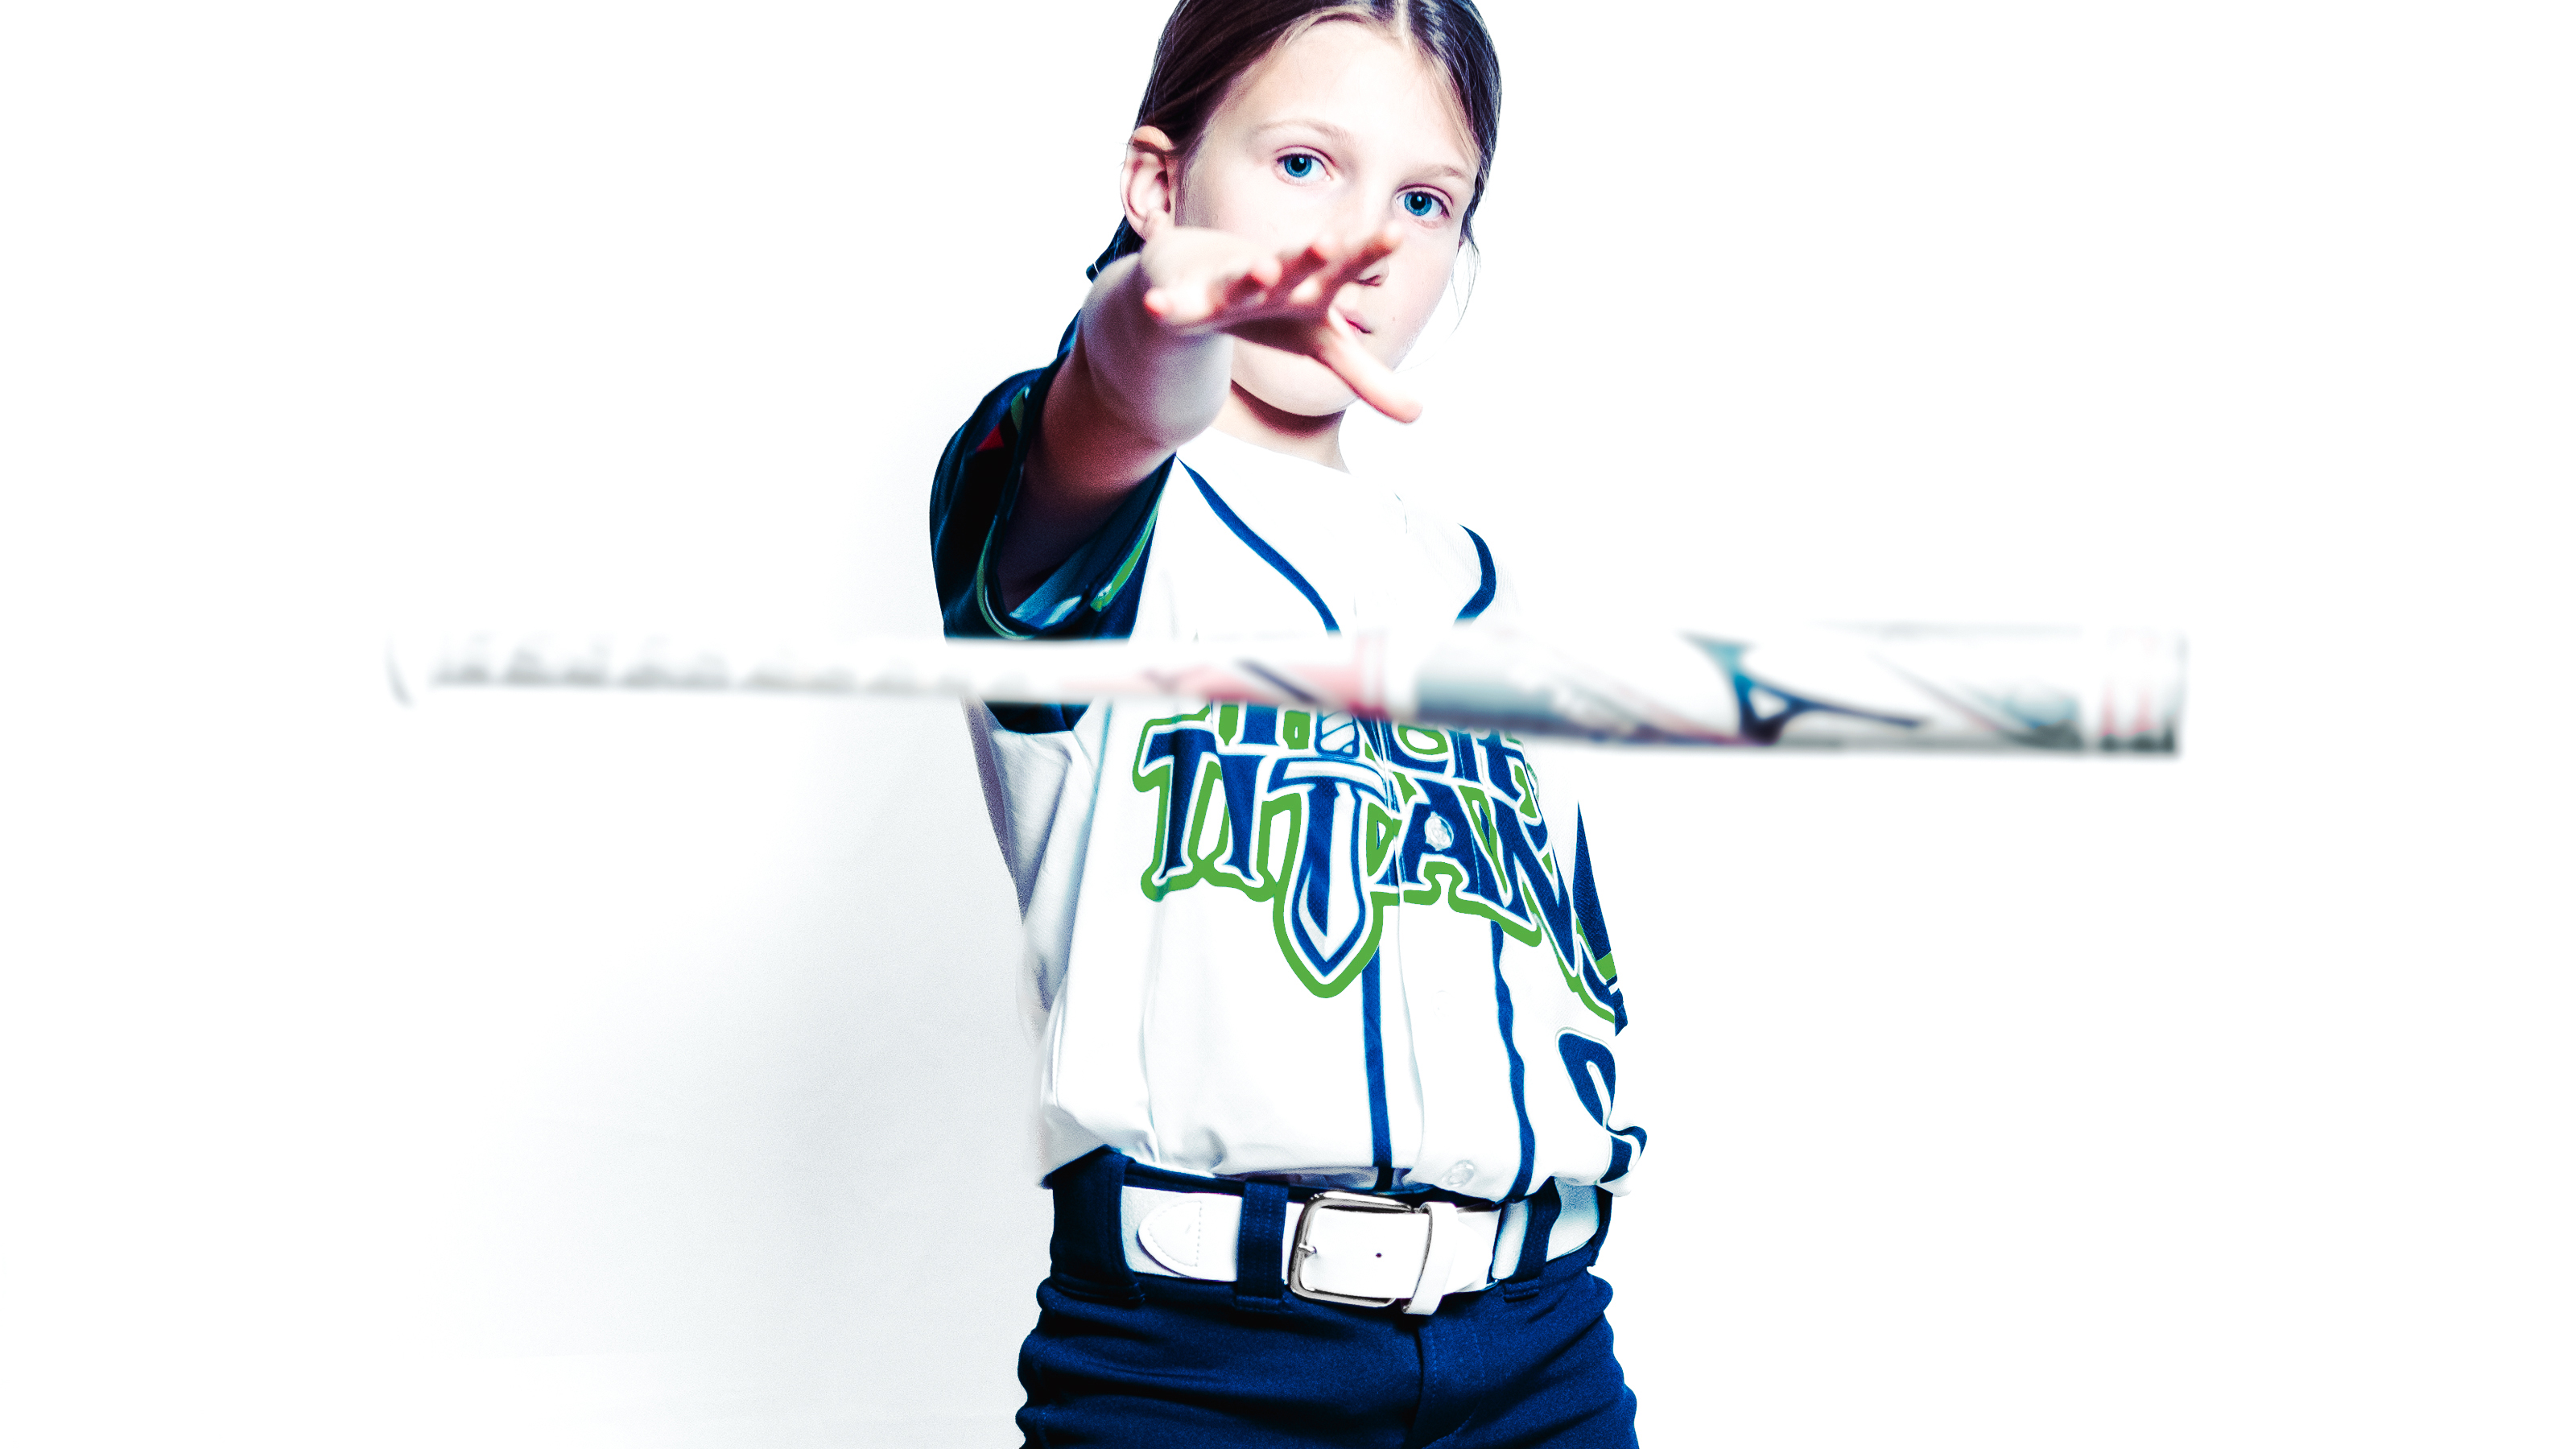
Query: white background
645, 1071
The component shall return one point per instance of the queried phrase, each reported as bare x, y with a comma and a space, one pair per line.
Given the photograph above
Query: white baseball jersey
1270, 941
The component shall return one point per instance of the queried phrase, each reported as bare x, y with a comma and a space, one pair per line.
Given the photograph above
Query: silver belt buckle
1353, 1202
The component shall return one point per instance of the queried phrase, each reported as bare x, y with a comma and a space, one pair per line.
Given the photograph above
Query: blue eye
1298, 167
1421, 205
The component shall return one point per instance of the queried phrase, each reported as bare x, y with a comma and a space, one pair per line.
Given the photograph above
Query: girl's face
1334, 133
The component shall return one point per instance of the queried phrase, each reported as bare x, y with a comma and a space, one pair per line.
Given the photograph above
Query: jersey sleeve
1091, 595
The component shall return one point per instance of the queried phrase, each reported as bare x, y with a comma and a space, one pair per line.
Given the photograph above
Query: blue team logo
1331, 820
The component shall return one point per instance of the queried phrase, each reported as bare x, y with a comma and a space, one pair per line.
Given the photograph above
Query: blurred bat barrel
1859, 686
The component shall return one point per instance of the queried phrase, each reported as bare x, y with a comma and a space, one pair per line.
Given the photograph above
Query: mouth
1358, 323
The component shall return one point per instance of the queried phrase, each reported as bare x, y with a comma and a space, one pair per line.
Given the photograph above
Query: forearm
1156, 387
1132, 391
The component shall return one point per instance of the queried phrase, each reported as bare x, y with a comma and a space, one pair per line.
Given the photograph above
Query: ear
1150, 182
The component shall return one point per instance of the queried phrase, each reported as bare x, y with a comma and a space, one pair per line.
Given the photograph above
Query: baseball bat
1856, 686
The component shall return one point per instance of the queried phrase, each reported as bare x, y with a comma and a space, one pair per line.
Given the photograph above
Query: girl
1328, 1090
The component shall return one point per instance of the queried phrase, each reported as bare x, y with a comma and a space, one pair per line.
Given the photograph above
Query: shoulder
1092, 594
991, 428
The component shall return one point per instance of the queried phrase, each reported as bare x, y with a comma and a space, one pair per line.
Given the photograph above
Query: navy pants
1135, 1359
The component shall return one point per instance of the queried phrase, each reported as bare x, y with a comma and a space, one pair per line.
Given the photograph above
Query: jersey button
1459, 1176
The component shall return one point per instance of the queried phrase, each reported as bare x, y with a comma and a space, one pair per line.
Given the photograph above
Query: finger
1307, 260
1367, 252
1195, 301
1363, 254
1339, 349
1378, 245
1255, 283
1324, 286
1266, 290
1299, 269
1181, 305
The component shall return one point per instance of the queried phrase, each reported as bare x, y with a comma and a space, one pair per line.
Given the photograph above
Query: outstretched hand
1201, 281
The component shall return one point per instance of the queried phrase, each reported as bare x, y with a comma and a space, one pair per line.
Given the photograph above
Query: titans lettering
1332, 819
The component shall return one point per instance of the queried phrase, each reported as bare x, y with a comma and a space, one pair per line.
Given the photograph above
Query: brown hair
1207, 44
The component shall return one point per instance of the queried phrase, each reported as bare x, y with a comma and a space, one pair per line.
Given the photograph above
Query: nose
1375, 273
1357, 219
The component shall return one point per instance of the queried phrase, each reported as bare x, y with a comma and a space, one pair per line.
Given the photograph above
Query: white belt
1344, 1247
